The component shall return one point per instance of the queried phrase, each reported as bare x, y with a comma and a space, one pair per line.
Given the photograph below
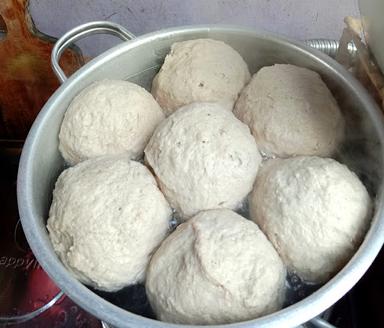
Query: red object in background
39, 291
26, 76
63, 314
25, 289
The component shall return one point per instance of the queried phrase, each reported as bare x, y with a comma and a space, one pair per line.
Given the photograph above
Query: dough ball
201, 70
315, 211
216, 268
204, 158
290, 111
106, 219
108, 117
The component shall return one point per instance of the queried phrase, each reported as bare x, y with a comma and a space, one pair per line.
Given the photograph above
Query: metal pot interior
138, 61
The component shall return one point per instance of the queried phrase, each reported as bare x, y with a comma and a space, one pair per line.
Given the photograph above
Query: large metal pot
138, 60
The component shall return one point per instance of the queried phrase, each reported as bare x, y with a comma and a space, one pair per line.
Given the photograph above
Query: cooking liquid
133, 298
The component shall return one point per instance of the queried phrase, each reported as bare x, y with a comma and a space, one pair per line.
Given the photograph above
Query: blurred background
299, 19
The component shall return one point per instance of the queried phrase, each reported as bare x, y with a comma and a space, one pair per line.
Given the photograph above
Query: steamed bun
202, 70
290, 111
203, 158
109, 117
106, 218
216, 268
314, 210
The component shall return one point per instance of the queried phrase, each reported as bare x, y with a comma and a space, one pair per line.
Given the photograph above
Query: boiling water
133, 298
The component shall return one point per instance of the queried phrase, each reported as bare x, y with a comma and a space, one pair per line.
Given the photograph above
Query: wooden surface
26, 77
364, 66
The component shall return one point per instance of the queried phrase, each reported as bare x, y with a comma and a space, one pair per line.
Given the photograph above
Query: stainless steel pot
138, 60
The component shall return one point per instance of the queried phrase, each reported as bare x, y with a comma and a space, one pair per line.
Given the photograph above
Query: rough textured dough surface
202, 70
109, 117
216, 268
106, 219
290, 111
204, 158
314, 210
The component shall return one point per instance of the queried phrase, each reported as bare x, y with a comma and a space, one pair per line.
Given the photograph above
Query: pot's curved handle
80, 32
319, 322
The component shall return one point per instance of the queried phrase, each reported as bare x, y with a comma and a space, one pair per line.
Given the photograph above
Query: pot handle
79, 32
318, 322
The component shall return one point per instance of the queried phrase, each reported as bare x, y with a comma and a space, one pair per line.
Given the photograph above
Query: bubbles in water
173, 223
243, 209
298, 289
265, 157
132, 298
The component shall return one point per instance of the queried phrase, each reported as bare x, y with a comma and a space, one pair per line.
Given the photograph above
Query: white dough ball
204, 158
106, 219
109, 117
202, 70
216, 268
290, 111
315, 211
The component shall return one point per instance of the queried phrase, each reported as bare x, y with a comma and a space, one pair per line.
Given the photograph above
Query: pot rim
290, 316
